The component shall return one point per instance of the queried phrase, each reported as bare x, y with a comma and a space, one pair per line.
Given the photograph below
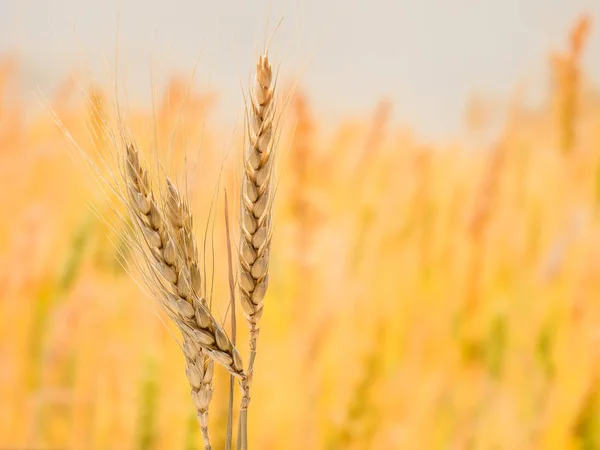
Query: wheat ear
169, 252
199, 371
255, 222
256, 198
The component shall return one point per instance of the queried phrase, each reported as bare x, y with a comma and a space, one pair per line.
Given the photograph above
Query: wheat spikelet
375, 138
485, 205
421, 205
486, 195
97, 118
567, 73
200, 370
256, 198
173, 276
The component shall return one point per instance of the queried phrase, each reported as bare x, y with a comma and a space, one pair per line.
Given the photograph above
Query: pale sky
426, 55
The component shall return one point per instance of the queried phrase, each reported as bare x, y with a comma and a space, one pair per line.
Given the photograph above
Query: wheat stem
229, 432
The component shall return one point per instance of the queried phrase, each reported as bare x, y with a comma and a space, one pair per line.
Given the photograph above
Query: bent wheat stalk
169, 252
256, 214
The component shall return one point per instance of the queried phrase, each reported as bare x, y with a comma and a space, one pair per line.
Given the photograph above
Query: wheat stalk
172, 274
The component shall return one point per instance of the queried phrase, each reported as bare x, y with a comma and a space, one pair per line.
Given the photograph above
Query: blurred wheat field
422, 297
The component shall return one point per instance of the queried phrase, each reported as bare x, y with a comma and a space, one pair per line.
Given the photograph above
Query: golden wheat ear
256, 215
168, 249
256, 198
199, 371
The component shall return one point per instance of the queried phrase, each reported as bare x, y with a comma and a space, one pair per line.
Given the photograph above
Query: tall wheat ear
256, 212
169, 256
256, 199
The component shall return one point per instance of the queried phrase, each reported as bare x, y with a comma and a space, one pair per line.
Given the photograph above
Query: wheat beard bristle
256, 202
177, 288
